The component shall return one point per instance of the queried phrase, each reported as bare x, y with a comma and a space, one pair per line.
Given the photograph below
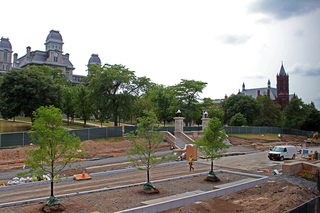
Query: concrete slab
234, 183
163, 199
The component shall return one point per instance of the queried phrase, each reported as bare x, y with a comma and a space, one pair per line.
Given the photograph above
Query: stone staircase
180, 143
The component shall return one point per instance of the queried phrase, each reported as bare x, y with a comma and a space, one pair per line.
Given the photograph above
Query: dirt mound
9, 158
265, 198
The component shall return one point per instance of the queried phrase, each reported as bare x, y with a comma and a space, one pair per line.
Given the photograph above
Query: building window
5, 56
55, 59
67, 73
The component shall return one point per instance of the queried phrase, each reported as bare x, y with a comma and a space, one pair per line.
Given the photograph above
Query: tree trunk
211, 165
148, 179
52, 171
116, 121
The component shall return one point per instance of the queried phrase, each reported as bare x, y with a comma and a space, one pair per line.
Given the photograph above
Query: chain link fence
22, 138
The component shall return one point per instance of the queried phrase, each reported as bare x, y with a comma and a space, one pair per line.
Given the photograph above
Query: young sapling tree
56, 147
145, 141
212, 143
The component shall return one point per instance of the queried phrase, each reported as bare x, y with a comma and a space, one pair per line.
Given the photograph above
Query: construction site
110, 171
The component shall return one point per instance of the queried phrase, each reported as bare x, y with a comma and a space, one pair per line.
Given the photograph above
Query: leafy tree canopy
187, 92
295, 114
115, 85
84, 104
246, 105
270, 113
164, 102
312, 122
27, 89
238, 120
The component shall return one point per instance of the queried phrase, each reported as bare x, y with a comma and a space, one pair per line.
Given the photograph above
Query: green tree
212, 143
187, 92
115, 84
140, 105
56, 147
69, 101
164, 102
145, 142
270, 113
246, 105
296, 113
84, 107
312, 122
55, 73
238, 120
27, 89
216, 112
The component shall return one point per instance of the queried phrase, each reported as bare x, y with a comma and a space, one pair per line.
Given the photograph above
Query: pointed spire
282, 72
269, 83
243, 87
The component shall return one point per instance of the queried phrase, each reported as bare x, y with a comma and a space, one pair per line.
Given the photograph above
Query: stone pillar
178, 123
205, 120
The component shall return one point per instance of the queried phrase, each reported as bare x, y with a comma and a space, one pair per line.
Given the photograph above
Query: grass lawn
268, 137
98, 122
10, 126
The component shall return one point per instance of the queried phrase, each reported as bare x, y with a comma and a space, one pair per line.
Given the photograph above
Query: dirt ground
14, 158
288, 139
264, 198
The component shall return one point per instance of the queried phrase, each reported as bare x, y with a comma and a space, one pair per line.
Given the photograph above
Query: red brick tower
282, 88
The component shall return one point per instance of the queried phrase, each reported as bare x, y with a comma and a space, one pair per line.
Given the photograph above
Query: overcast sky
223, 43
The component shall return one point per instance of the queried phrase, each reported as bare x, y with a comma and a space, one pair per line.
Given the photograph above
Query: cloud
306, 70
299, 33
234, 39
254, 75
264, 21
284, 9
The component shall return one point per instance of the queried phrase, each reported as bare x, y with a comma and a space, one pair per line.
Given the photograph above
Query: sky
224, 43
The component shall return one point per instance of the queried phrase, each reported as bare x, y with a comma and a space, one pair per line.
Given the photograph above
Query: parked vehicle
282, 152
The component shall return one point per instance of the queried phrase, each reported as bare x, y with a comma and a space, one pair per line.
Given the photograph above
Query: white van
282, 152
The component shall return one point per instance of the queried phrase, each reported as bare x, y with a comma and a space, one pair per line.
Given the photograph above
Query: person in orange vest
191, 163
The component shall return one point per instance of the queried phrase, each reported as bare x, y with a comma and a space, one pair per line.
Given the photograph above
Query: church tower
282, 88
5, 55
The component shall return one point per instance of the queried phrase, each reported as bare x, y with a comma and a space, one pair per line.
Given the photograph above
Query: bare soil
264, 198
14, 158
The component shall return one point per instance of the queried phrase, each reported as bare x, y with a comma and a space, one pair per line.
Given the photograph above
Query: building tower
54, 47
5, 55
94, 60
282, 88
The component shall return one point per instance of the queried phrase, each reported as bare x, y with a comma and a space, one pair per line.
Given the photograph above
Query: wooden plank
80, 177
